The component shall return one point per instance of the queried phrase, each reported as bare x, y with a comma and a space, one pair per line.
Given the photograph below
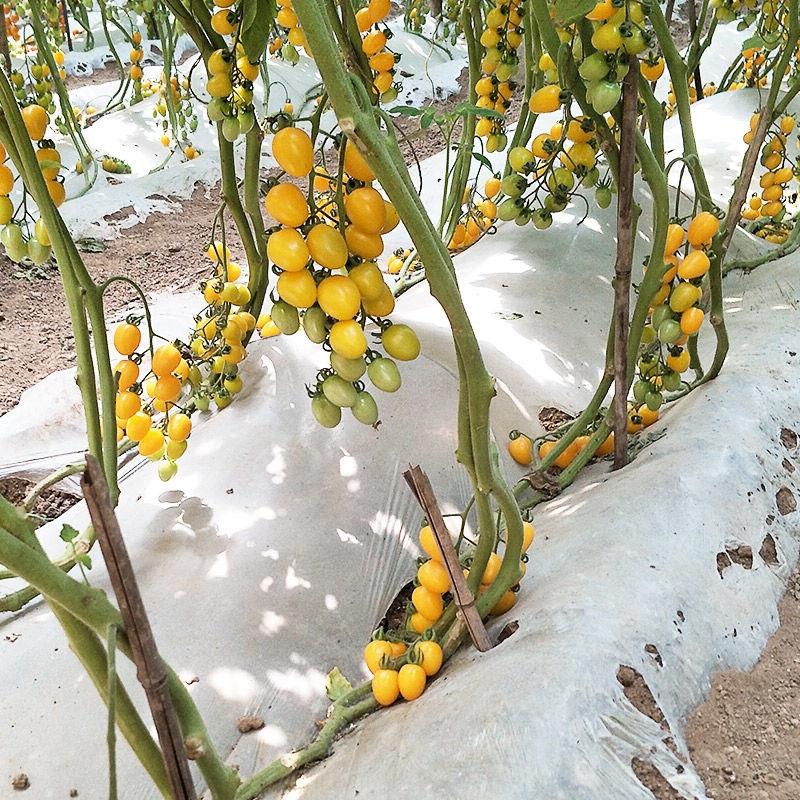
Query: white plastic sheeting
279, 545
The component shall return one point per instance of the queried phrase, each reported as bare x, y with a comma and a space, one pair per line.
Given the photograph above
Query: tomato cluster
399, 670
163, 438
619, 31
767, 210
12, 22
381, 59
22, 236
370, 20
500, 41
116, 166
675, 316
520, 448
217, 343
478, 215
753, 73
176, 94
292, 35
402, 660
135, 57
691, 89
323, 250
230, 80
547, 174
183, 379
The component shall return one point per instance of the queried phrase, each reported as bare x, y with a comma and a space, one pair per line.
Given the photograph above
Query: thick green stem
340, 717
91, 607
22, 553
358, 121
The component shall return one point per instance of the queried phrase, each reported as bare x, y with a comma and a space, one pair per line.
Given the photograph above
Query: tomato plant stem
21, 552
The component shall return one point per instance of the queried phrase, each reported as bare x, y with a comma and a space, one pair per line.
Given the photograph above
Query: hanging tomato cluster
500, 40
753, 74
159, 439
183, 120
230, 81
328, 280
381, 59
768, 209
12, 21
291, 36
221, 329
136, 54
23, 236
182, 379
675, 316
619, 32
708, 90
547, 174
478, 215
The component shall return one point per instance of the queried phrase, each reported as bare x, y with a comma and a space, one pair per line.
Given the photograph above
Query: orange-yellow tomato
702, 229
294, 151
287, 204
366, 209
165, 359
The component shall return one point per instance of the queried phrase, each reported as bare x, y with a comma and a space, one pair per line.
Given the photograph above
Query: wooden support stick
149, 666
622, 266
420, 485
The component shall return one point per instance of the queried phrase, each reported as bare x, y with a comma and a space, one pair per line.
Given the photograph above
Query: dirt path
745, 739
158, 254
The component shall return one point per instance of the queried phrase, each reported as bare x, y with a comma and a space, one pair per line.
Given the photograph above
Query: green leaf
257, 19
753, 41
465, 109
336, 685
68, 533
570, 10
427, 118
406, 111
86, 560
481, 158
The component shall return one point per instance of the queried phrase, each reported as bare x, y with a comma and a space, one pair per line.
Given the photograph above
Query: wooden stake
65, 17
622, 266
420, 485
4, 52
692, 14
149, 666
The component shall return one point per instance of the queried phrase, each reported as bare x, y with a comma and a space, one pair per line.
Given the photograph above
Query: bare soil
745, 739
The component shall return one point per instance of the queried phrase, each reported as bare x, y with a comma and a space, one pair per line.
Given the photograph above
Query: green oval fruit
384, 374
365, 409
351, 369
285, 317
326, 413
339, 391
315, 324
669, 331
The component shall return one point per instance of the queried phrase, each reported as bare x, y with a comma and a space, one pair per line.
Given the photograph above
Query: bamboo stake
149, 666
622, 266
420, 485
